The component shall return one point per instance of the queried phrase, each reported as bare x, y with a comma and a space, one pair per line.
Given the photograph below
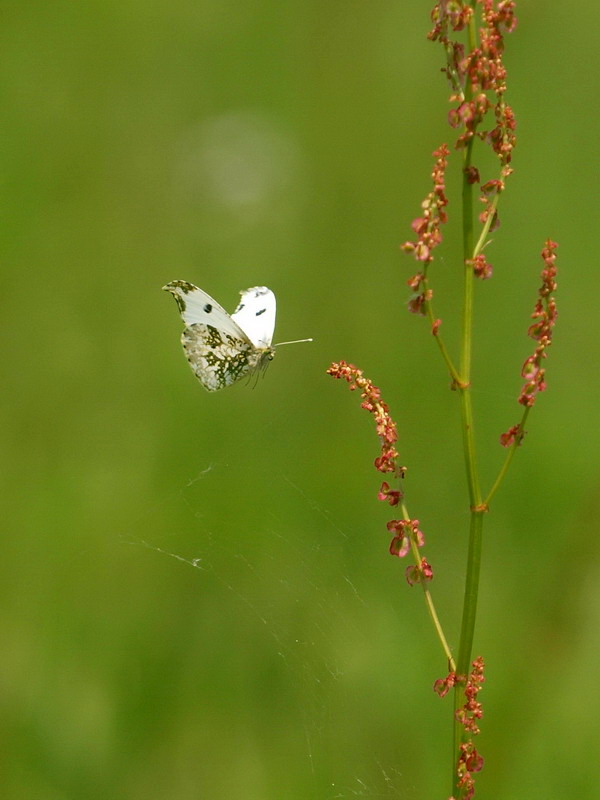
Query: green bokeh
196, 596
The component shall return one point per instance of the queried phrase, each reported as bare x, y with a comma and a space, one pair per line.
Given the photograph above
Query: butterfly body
223, 348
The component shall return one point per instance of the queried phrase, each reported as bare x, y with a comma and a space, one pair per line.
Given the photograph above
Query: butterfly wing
219, 359
255, 315
196, 305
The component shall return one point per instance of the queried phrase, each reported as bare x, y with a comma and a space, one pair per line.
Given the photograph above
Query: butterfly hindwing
219, 359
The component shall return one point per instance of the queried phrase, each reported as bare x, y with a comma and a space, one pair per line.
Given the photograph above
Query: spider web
288, 536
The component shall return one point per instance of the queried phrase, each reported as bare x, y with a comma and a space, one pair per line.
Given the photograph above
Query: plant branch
428, 598
507, 461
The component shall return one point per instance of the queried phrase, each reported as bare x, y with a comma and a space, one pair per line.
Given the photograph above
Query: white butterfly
221, 348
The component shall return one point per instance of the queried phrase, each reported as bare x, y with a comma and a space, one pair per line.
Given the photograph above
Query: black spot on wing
262, 311
208, 308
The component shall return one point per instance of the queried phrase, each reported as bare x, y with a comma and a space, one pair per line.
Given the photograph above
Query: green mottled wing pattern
218, 358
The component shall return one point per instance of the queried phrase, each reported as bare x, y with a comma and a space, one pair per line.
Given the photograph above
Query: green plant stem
475, 531
467, 222
472, 31
467, 337
446, 356
466, 408
471, 590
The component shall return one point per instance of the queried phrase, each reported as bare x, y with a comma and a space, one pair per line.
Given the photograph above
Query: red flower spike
427, 226
387, 460
544, 316
478, 86
469, 761
482, 70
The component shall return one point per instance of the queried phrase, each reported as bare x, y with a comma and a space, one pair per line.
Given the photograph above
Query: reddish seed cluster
419, 573
487, 73
443, 685
481, 266
386, 461
407, 532
427, 226
478, 84
428, 230
512, 435
389, 494
472, 710
544, 316
454, 14
489, 190
469, 114
482, 69
540, 331
469, 760
404, 531
503, 137
421, 294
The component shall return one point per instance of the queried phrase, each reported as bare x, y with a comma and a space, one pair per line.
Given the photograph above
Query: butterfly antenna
296, 341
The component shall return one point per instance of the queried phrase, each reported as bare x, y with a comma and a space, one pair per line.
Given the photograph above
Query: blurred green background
197, 600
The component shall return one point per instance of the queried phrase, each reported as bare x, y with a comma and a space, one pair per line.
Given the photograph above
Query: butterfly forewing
255, 315
196, 305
